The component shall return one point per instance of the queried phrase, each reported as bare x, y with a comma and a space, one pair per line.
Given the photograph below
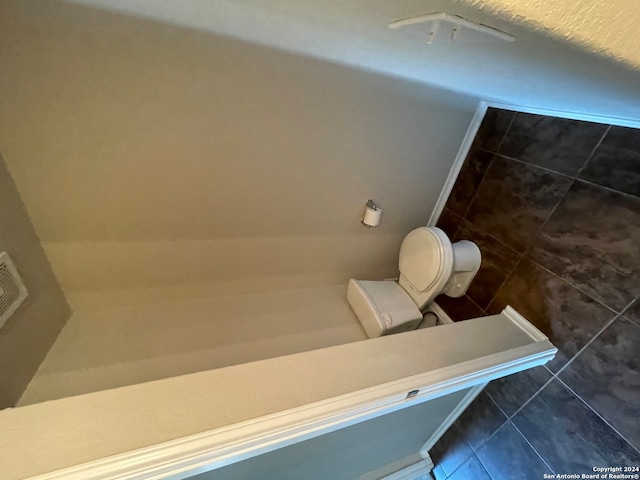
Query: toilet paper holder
372, 215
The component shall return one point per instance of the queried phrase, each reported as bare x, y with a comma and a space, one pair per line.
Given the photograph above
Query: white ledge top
211, 410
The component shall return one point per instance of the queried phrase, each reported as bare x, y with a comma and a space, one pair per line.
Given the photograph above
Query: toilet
429, 265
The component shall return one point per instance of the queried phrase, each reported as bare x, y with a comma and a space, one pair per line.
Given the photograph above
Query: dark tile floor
514, 200
559, 144
606, 375
595, 252
621, 147
569, 435
564, 314
554, 205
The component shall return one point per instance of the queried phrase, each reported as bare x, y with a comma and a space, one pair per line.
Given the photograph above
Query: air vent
445, 28
12, 290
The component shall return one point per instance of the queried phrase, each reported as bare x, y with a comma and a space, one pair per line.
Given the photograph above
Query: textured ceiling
609, 27
570, 55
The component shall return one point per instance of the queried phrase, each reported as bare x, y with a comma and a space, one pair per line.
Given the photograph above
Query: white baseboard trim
587, 117
412, 471
458, 162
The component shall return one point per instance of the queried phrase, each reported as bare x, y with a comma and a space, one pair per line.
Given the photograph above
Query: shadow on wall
28, 335
204, 159
554, 205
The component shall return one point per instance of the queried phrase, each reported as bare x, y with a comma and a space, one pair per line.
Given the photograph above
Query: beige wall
150, 156
26, 338
112, 347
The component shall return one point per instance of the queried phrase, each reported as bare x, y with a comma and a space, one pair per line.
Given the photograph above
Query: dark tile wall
554, 206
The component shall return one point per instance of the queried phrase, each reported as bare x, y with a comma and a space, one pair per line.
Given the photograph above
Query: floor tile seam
502, 423
496, 403
493, 434
535, 394
504, 135
474, 302
472, 454
533, 448
493, 298
475, 194
584, 402
452, 213
546, 221
609, 189
624, 311
633, 322
534, 166
572, 285
554, 375
630, 304
457, 229
465, 461
492, 237
606, 132
586, 345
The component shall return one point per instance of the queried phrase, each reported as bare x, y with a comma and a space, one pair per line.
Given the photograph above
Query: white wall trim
422, 467
458, 162
213, 449
452, 417
524, 325
587, 117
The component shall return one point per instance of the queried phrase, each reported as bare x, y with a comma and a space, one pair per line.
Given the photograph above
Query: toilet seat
425, 262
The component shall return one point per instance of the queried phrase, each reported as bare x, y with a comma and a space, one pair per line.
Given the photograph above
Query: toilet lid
423, 256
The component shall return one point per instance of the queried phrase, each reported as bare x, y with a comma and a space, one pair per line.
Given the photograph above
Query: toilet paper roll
372, 216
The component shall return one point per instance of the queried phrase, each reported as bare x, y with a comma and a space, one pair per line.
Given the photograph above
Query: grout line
513, 117
546, 221
502, 424
555, 376
628, 307
532, 397
532, 165
513, 269
616, 317
464, 439
475, 194
598, 415
532, 448
606, 132
458, 227
567, 282
609, 189
473, 301
465, 461
490, 235
591, 340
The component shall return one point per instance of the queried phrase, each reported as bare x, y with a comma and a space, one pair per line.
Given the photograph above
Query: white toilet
429, 265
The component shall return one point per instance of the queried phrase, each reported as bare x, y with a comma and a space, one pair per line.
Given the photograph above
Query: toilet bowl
429, 265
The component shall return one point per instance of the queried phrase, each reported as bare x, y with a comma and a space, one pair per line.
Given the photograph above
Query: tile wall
554, 205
